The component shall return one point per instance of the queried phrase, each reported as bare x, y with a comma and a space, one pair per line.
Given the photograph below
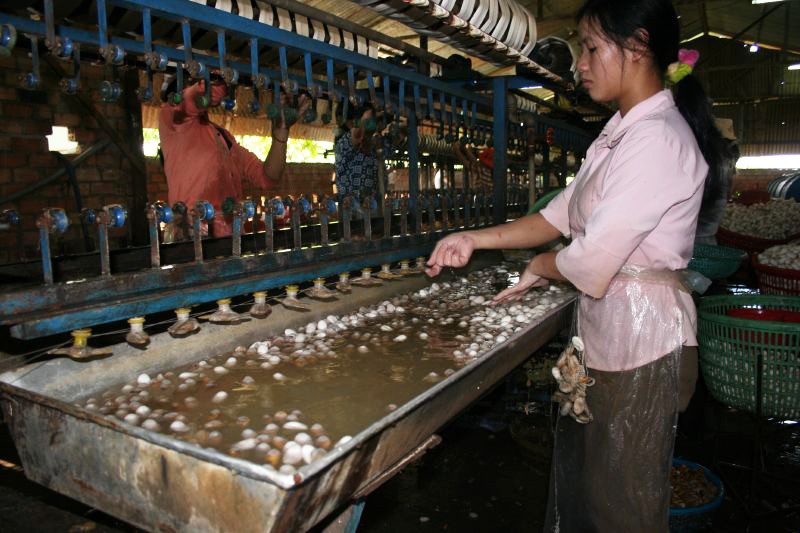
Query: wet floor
488, 474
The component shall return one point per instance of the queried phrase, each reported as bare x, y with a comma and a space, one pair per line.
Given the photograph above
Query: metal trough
163, 484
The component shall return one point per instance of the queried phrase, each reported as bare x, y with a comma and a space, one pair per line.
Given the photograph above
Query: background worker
356, 160
203, 161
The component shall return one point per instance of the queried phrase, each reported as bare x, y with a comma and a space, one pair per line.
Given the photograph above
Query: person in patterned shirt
479, 167
356, 162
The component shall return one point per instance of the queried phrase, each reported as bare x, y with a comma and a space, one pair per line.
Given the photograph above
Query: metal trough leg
348, 520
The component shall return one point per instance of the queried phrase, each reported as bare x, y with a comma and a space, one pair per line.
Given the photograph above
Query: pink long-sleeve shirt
199, 163
634, 203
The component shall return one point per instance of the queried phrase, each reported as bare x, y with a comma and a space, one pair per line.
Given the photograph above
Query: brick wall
156, 181
26, 117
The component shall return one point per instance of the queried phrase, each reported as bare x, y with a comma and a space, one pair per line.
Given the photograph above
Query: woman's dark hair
353, 113
654, 24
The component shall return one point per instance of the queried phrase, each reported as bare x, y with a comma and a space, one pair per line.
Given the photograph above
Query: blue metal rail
213, 19
57, 307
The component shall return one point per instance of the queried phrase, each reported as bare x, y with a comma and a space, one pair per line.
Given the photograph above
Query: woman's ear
637, 46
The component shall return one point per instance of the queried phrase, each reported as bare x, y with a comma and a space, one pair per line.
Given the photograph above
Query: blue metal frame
500, 136
213, 19
179, 55
55, 308
51, 309
413, 157
355, 517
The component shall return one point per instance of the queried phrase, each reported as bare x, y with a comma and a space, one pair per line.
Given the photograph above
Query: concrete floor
490, 473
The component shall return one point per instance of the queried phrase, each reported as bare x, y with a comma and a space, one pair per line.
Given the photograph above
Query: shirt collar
617, 126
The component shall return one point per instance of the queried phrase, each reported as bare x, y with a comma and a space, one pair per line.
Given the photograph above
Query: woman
356, 162
631, 213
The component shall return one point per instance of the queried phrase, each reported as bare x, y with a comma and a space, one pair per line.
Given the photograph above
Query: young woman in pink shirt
631, 214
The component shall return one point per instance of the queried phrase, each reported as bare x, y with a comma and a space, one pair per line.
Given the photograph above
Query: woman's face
600, 64
218, 91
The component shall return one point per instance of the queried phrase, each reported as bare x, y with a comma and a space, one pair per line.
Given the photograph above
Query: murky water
330, 380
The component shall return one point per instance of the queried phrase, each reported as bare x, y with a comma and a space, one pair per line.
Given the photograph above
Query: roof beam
550, 25
703, 16
748, 39
364, 30
730, 101
736, 36
785, 40
765, 14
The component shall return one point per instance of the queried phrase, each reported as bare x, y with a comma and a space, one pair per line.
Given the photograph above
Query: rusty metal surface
413, 456
163, 484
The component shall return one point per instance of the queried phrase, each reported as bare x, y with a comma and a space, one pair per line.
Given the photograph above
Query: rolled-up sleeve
253, 168
644, 180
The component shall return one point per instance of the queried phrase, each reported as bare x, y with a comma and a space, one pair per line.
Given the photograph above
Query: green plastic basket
774, 280
730, 347
716, 262
542, 202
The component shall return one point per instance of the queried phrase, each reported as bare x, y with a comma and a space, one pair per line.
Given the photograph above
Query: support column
500, 137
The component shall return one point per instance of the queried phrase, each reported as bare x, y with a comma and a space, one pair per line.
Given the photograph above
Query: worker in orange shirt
203, 161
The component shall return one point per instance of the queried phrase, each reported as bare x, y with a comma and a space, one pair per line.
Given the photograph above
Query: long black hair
654, 25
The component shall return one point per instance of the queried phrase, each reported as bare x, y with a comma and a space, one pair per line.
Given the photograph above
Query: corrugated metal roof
767, 127
730, 72
733, 16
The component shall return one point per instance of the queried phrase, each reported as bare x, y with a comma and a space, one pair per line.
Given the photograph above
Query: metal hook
71, 85
112, 53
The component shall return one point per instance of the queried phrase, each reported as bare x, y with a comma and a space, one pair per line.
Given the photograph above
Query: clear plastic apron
612, 474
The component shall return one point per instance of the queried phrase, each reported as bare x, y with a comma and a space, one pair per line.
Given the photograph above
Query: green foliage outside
297, 150
151, 141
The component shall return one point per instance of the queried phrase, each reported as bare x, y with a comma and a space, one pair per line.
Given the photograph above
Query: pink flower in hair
688, 57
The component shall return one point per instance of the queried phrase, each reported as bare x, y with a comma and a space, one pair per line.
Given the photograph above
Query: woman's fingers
433, 271
441, 253
452, 256
517, 291
303, 104
452, 251
436, 256
508, 295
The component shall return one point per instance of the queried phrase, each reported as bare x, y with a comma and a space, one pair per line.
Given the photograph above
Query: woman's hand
358, 133
527, 281
304, 102
281, 125
452, 251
